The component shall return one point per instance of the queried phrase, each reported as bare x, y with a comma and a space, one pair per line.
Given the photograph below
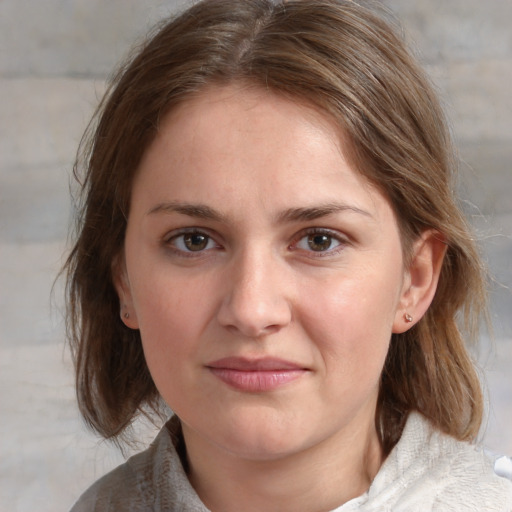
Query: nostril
252, 331
256, 321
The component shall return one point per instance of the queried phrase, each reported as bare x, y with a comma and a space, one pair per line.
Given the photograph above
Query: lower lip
256, 381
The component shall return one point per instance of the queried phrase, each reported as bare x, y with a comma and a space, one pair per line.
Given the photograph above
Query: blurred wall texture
54, 58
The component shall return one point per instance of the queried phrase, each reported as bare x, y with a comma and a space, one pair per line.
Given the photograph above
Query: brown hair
349, 63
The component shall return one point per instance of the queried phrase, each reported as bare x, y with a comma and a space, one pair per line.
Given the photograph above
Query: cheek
171, 321
171, 315
351, 317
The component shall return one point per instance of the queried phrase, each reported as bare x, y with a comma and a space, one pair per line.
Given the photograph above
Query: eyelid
176, 233
343, 240
185, 231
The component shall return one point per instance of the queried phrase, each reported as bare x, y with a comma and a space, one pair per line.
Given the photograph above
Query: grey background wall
54, 58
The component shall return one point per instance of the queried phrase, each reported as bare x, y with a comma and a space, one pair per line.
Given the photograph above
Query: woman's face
264, 273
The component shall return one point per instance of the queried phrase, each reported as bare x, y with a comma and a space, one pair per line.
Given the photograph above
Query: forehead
245, 109
249, 143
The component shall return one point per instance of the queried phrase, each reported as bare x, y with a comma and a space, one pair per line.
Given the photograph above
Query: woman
269, 244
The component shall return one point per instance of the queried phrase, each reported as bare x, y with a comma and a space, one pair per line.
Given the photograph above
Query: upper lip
254, 364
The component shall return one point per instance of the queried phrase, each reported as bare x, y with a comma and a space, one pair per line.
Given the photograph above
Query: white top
430, 471
426, 471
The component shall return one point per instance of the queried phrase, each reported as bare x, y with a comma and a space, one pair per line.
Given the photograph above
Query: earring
125, 314
408, 318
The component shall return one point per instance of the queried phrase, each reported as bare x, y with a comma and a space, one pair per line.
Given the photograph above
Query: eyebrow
317, 212
200, 211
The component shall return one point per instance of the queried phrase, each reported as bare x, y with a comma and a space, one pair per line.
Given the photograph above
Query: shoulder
431, 471
151, 480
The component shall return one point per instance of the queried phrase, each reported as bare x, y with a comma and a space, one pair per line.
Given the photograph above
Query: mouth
256, 375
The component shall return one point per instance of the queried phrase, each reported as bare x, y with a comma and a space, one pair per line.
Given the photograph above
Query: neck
319, 478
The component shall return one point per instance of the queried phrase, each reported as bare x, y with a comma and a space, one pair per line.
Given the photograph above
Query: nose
255, 301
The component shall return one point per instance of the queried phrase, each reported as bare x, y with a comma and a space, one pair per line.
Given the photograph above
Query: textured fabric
427, 471
153, 480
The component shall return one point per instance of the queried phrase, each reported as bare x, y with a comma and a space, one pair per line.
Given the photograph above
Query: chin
258, 437
263, 448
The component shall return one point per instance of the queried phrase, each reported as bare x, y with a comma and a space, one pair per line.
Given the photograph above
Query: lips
256, 375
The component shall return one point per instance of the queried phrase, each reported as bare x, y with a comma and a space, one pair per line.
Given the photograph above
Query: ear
122, 286
420, 280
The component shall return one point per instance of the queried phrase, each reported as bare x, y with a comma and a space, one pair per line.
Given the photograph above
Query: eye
320, 241
194, 241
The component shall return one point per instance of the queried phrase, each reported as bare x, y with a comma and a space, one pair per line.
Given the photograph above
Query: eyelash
170, 241
334, 237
